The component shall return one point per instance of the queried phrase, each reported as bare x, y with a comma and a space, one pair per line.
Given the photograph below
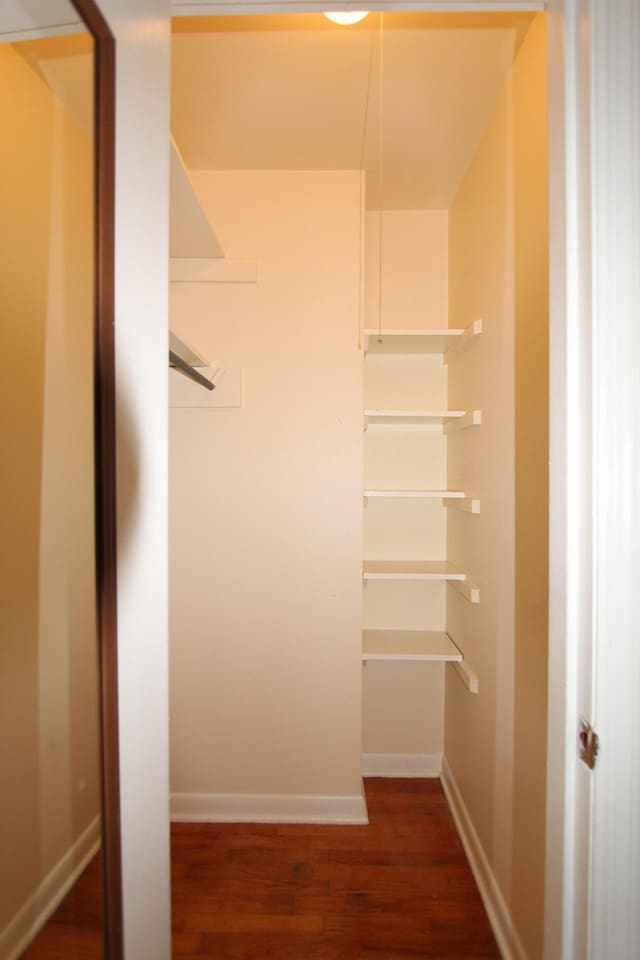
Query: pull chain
380, 169
363, 198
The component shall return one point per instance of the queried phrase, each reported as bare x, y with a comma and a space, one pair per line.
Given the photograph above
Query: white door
593, 850
615, 857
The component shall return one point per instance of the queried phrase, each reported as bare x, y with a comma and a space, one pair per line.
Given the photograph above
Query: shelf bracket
468, 676
469, 335
471, 419
462, 503
467, 590
179, 364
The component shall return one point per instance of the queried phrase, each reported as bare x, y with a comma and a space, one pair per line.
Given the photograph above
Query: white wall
142, 32
495, 743
266, 500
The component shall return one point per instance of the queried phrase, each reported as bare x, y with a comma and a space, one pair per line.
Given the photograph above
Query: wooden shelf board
418, 494
410, 341
412, 416
431, 645
411, 570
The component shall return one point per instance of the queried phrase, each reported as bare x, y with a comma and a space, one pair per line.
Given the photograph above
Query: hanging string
362, 199
380, 169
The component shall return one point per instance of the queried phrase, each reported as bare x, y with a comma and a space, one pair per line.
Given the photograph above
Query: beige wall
403, 703
495, 743
266, 500
48, 689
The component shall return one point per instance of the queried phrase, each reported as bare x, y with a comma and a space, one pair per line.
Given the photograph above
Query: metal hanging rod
189, 371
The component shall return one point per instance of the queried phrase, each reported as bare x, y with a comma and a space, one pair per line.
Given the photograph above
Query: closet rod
189, 371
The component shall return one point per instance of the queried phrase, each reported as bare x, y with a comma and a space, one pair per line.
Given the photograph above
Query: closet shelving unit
445, 341
421, 645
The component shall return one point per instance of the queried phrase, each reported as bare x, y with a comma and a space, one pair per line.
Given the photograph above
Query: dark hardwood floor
398, 889
75, 929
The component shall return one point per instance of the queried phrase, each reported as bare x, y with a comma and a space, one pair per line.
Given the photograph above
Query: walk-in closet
359, 507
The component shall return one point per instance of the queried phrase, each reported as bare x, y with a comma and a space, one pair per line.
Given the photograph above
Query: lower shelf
408, 645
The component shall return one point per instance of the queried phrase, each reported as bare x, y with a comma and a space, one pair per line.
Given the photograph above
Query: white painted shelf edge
410, 341
411, 570
418, 494
447, 340
425, 417
426, 645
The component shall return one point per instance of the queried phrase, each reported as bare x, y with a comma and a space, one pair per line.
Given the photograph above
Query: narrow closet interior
358, 507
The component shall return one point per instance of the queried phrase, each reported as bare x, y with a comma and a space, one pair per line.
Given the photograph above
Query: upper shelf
190, 233
416, 494
424, 417
445, 341
409, 341
411, 570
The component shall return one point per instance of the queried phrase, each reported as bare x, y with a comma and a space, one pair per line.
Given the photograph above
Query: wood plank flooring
398, 889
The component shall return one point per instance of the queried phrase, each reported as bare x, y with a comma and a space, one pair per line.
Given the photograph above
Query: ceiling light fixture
346, 17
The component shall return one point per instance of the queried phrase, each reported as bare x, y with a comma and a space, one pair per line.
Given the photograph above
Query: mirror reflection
50, 884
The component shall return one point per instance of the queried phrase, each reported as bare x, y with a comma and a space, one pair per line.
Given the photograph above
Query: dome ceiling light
346, 17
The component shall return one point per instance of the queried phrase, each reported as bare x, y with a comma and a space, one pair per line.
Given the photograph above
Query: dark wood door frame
105, 467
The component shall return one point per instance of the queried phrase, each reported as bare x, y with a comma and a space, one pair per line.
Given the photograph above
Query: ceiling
290, 92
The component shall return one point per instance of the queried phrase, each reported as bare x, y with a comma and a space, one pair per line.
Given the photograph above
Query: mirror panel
50, 819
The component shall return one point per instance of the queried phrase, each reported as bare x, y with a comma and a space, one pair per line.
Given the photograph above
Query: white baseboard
509, 942
266, 808
401, 764
45, 899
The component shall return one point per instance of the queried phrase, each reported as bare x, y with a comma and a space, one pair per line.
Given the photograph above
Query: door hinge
589, 744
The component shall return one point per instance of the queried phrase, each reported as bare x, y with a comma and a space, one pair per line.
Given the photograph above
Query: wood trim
105, 467
411, 766
267, 808
42, 903
495, 904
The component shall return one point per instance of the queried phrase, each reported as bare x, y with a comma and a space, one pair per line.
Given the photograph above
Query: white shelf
417, 494
408, 645
447, 341
428, 417
411, 570
410, 341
